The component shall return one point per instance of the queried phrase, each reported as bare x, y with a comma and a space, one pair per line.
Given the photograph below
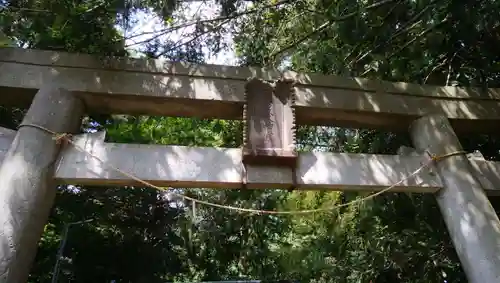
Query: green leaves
141, 235
393, 237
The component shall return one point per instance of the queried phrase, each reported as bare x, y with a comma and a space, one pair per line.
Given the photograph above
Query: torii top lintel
114, 85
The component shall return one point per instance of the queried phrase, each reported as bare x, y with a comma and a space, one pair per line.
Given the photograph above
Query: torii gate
61, 87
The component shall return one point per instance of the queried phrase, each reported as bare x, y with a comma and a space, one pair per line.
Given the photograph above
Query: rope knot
435, 157
62, 139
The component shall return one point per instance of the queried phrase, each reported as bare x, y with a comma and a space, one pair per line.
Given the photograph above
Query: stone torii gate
59, 88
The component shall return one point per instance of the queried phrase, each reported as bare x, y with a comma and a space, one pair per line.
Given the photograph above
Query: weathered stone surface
472, 222
115, 85
27, 187
269, 124
181, 166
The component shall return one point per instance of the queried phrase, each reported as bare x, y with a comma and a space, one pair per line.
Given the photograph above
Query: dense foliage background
141, 235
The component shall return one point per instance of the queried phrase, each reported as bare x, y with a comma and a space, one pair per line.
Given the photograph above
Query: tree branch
405, 28
180, 44
375, 27
327, 24
435, 68
195, 22
418, 37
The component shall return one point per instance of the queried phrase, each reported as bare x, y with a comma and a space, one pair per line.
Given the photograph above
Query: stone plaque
269, 132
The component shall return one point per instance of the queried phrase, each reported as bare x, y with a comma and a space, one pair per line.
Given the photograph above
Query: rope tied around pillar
67, 138
59, 138
62, 139
437, 158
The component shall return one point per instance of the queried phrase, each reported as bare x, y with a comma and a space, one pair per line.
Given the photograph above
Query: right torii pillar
473, 225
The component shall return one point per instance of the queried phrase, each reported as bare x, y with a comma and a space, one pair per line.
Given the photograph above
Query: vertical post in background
27, 188
62, 245
470, 218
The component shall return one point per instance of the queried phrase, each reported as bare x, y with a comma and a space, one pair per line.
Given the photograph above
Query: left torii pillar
27, 187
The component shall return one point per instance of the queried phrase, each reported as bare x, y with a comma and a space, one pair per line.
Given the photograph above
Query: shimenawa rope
64, 138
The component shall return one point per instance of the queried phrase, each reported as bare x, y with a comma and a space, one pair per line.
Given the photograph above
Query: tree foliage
142, 235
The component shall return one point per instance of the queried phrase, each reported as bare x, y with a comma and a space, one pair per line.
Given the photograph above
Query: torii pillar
27, 187
473, 225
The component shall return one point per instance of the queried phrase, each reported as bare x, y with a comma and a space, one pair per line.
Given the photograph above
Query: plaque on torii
269, 124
